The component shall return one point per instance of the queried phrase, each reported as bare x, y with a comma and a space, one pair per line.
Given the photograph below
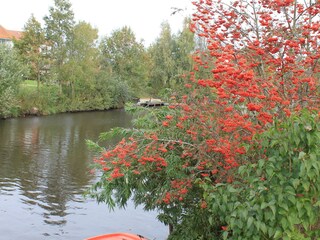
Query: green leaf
308, 208
244, 213
250, 221
296, 140
313, 157
295, 183
232, 222
242, 170
232, 190
293, 219
309, 138
268, 215
264, 228
306, 186
302, 171
225, 235
302, 155
264, 205
270, 171
273, 209
299, 208
305, 225
271, 231
257, 224
261, 163
277, 234
284, 223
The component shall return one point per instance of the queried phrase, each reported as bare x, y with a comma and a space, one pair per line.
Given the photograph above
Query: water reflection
44, 171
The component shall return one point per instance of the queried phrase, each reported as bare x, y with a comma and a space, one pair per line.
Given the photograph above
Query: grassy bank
43, 101
50, 99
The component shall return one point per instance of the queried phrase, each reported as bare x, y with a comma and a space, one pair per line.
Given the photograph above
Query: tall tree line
101, 73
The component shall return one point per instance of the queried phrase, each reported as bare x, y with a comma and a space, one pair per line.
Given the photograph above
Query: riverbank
34, 112
49, 99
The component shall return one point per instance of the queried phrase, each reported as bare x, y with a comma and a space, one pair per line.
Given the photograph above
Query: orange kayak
117, 236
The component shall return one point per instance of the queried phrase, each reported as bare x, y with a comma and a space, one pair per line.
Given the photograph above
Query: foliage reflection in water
44, 172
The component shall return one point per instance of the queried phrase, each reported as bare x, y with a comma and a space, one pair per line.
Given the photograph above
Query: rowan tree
263, 58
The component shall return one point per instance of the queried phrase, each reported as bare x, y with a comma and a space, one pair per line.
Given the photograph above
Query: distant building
6, 36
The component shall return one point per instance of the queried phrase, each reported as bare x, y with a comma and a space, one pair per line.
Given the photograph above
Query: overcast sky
143, 16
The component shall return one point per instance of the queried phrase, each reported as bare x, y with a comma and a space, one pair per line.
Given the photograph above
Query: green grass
46, 99
29, 84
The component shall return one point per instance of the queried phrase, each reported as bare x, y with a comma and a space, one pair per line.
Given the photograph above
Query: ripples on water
44, 172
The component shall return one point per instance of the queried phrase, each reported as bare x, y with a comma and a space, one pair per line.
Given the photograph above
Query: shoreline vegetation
46, 100
45, 72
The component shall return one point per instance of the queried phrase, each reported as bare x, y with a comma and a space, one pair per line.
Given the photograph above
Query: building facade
7, 36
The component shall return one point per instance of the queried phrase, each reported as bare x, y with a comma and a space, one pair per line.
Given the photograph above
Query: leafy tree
113, 92
81, 66
126, 58
163, 62
171, 57
30, 48
185, 160
183, 51
12, 72
59, 26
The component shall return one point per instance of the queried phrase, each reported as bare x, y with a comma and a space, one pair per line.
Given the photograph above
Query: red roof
9, 34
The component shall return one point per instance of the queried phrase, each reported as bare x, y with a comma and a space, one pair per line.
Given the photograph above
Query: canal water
44, 171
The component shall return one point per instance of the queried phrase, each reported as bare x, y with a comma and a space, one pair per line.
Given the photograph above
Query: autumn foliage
262, 64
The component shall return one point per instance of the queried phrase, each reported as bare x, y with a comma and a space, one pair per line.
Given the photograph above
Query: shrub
278, 196
11, 74
184, 160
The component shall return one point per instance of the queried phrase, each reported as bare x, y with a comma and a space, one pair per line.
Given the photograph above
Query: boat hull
117, 236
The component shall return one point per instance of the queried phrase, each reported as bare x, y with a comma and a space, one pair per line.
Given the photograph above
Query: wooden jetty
151, 102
